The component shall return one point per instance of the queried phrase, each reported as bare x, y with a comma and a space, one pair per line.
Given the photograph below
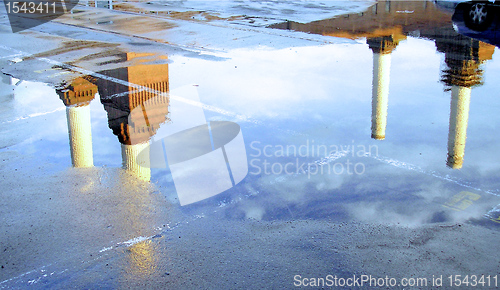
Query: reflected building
77, 97
136, 107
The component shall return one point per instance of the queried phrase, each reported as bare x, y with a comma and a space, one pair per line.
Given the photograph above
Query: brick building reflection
143, 86
76, 97
125, 96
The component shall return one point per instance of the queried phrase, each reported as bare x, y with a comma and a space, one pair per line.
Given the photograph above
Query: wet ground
238, 144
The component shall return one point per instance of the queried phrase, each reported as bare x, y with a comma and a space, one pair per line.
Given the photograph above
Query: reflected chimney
382, 48
77, 98
459, 116
461, 75
463, 58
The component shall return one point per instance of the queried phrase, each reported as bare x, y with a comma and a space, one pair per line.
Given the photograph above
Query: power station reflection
137, 104
384, 25
125, 93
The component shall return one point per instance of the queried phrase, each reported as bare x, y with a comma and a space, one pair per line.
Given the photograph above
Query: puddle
286, 177
138, 79
390, 122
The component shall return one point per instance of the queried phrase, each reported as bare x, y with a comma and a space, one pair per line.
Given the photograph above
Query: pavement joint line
411, 167
214, 109
128, 243
24, 274
35, 115
204, 106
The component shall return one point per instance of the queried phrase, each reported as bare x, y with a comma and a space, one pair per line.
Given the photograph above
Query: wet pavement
238, 144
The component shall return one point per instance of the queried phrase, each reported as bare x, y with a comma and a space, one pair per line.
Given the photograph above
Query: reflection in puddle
463, 57
320, 105
202, 164
77, 98
136, 107
142, 260
126, 106
382, 48
126, 103
387, 23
